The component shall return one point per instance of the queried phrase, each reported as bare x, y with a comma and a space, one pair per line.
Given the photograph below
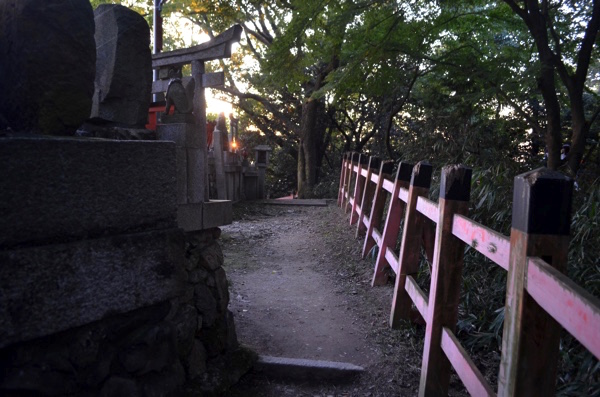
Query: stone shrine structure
195, 210
231, 176
107, 287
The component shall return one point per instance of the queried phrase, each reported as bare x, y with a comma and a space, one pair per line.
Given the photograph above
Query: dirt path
299, 289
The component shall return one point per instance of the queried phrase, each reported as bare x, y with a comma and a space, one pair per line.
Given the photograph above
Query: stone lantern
261, 161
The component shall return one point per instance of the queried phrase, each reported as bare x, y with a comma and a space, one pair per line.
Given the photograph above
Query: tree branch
266, 104
587, 45
517, 10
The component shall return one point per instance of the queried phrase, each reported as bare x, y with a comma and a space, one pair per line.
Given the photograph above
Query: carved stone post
199, 174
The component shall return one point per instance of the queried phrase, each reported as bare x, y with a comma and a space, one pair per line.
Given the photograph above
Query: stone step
304, 369
296, 202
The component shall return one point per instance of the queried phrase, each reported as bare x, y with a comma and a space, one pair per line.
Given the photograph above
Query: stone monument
46, 69
124, 76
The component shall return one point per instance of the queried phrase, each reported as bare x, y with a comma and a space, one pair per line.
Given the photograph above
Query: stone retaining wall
117, 301
183, 346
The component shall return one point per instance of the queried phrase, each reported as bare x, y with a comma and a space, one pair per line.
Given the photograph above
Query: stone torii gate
193, 192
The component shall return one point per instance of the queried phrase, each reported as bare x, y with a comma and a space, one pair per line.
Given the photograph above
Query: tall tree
565, 35
296, 45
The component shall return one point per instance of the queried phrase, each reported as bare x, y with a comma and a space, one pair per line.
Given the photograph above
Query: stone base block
51, 288
217, 213
200, 216
189, 217
61, 189
183, 134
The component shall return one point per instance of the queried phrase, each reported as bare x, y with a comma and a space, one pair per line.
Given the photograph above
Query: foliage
279, 185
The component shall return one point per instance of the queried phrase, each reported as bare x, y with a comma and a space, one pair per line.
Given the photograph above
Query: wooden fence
539, 297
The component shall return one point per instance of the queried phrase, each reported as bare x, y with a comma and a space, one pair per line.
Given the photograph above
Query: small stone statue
178, 96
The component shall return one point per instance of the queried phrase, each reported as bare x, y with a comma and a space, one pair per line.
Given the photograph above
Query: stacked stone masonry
177, 347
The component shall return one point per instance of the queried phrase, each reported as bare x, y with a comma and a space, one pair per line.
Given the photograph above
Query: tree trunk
301, 170
307, 172
536, 17
547, 85
580, 130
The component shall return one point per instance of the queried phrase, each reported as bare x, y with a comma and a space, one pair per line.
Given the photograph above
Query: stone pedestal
190, 161
193, 213
101, 294
88, 229
63, 189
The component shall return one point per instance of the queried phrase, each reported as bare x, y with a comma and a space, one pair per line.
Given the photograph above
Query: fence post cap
421, 175
542, 202
404, 171
456, 182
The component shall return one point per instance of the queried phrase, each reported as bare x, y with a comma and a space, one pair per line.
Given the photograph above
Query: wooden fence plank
359, 187
392, 223
488, 242
428, 208
540, 227
378, 206
366, 221
465, 367
408, 259
346, 175
368, 194
377, 236
403, 194
574, 308
348, 192
342, 179
446, 280
392, 259
419, 298
388, 185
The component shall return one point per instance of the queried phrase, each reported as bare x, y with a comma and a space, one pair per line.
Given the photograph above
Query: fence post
378, 206
368, 194
446, 279
392, 223
359, 186
408, 259
350, 171
342, 180
540, 227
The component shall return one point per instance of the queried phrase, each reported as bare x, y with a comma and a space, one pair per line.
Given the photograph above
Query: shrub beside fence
540, 298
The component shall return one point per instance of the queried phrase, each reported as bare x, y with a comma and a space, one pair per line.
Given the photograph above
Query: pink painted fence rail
540, 298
